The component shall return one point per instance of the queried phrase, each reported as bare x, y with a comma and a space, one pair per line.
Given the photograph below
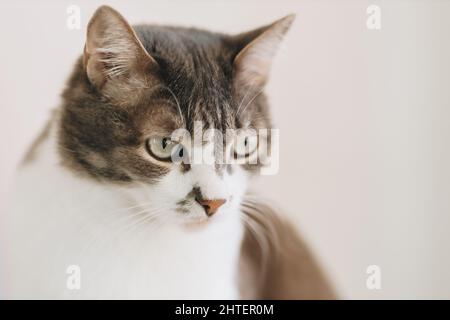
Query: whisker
251, 100
262, 229
154, 218
153, 213
242, 101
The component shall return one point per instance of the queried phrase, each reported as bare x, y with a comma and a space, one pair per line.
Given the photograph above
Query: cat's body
101, 197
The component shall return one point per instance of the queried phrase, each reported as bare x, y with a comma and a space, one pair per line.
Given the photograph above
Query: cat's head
135, 86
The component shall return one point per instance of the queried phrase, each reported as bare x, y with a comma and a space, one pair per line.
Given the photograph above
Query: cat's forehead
179, 42
187, 53
196, 70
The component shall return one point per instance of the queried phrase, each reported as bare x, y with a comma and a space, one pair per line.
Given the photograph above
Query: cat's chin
204, 223
201, 223
198, 224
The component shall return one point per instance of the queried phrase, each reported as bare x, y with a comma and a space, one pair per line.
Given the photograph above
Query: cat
100, 191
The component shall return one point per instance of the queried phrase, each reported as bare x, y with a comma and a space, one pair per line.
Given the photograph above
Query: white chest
67, 221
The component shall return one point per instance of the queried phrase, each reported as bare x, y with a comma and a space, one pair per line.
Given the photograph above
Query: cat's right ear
115, 60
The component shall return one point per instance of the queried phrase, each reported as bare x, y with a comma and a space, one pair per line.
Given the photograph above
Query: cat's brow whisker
242, 101
68, 149
190, 98
251, 100
178, 104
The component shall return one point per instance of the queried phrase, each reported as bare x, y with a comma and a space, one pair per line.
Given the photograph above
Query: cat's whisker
127, 217
106, 216
250, 102
262, 242
242, 101
131, 207
266, 224
260, 226
178, 104
190, 99
153, 213
156, 220
132, 217
120, 221
102, 241
148, 223
262, 234
68, 149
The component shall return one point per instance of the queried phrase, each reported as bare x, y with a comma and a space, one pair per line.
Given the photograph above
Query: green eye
161, 148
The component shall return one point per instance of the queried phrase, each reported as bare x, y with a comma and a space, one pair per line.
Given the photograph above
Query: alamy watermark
73, 21
74, 277
374, 17
373, 281
246, 146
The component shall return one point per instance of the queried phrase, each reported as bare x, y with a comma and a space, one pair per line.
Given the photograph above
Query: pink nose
210, 206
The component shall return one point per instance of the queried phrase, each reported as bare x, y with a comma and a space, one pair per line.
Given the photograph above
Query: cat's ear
115, 60
258, 48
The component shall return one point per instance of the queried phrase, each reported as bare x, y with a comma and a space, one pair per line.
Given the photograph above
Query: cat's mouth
195, 216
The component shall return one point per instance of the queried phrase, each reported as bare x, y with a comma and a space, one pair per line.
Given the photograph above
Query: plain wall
364, 119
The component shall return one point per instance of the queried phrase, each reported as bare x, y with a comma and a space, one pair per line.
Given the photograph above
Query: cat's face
136, 88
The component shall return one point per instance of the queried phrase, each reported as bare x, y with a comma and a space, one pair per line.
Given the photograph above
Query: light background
364, 120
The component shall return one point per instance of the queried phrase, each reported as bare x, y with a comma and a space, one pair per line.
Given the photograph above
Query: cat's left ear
258, 48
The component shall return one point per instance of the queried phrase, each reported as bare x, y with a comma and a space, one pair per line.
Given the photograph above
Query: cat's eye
164, 149
245, 145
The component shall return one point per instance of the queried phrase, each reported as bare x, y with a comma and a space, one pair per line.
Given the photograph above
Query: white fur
60, 219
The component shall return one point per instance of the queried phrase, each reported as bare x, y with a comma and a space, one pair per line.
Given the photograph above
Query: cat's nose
210, 206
